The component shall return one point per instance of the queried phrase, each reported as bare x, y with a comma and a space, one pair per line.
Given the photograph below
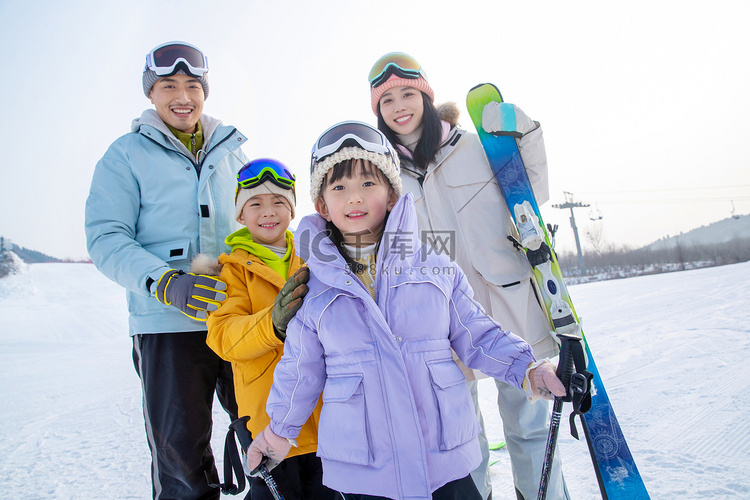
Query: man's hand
193, 294
289, 300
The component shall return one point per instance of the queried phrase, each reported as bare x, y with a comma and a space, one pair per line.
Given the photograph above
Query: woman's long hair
432, 134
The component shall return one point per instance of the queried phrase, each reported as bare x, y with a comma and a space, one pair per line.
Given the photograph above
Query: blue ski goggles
395, 63
265, 169
167, 58
350, 133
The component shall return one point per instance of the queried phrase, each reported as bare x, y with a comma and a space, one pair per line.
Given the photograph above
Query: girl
374, 336
446, 170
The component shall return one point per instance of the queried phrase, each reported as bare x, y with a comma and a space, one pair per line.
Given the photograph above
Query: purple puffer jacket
397, 419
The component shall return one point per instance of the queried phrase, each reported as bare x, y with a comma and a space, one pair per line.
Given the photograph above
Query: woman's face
402, 109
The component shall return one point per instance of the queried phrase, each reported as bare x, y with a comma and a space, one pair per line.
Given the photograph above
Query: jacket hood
449, 112
400, 237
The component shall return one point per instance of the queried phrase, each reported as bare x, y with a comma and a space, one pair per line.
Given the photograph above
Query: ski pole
565, 369
240, 428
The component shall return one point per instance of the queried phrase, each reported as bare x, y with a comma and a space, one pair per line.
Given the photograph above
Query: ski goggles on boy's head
350, 133
395, 63
165, 59
258, 171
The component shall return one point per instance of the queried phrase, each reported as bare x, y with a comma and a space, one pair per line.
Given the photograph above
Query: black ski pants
460, 489
179, 374
298, 478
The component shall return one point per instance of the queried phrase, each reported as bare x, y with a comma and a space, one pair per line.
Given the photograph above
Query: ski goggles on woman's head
351, 133
258, 171
395, 63
165, 59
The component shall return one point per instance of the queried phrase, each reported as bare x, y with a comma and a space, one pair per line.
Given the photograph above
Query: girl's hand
270, 445
543, 381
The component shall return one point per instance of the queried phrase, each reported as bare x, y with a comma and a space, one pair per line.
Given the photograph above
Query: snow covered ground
672, 350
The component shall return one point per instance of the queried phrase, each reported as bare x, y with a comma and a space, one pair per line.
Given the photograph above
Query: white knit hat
390, 169
244, 194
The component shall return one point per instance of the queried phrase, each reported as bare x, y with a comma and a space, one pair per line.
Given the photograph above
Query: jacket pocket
171, 251
342, 434
458, 418
254, 370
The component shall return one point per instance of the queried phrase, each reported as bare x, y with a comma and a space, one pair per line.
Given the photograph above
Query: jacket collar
150, 118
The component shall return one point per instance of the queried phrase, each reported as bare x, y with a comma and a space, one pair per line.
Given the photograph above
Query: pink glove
270, 445
543, 381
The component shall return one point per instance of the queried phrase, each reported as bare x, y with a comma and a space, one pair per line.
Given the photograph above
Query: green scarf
244, 240
193, 142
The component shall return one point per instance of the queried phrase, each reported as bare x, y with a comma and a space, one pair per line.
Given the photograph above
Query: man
160, 195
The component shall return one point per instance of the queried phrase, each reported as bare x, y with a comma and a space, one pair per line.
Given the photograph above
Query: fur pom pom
204, 264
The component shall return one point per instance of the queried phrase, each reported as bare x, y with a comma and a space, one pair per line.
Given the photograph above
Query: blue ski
615, 467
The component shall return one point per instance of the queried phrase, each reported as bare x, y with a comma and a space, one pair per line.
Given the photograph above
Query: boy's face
178, 100
267, 217
357, 205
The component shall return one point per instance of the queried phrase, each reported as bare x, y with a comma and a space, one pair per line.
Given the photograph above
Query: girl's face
402, 109
267, 217
357, 204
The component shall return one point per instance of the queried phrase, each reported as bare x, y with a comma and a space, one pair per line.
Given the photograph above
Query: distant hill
26, 255
32, 256
724, 231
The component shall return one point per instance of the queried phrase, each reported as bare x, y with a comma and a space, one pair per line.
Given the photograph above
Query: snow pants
179, 374
460, 489
298, 478
526, 427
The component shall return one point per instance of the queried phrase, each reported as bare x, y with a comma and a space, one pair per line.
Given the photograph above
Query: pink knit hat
397, 81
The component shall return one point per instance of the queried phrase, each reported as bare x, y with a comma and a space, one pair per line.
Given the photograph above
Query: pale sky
644, 104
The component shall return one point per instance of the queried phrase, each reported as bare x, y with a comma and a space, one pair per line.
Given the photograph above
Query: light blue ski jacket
148, 212
397, 419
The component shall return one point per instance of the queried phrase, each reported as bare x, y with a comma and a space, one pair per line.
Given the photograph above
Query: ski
613, 462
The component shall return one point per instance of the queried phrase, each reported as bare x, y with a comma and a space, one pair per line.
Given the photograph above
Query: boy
249, 328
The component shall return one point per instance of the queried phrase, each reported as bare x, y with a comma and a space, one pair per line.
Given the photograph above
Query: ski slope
672, 350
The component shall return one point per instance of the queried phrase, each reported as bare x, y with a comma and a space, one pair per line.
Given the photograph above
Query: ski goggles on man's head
258, 171
351, 133
165, 59
395, 63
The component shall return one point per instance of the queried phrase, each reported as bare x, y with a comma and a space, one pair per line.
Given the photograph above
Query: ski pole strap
233, 460
578, 383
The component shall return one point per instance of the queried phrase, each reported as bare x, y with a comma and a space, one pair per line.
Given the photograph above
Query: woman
461, 210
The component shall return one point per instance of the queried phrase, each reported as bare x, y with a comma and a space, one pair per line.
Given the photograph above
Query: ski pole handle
565, 370
239, 427
566, 364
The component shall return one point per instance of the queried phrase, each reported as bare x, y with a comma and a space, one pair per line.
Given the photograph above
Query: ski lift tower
569, 203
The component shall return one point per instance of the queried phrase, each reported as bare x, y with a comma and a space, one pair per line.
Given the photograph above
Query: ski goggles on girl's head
395, 63
165, 59
350, 133
258, 171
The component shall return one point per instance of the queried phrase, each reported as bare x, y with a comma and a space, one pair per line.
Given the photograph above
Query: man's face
178, 100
